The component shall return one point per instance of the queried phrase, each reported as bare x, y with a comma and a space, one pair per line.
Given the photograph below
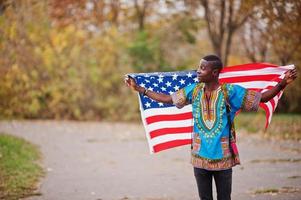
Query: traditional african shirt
210, 140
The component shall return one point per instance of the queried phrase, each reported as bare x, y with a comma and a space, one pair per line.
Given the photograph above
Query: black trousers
222, 179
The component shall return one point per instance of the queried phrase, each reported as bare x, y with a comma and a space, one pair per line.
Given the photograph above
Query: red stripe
171, 144
165, 131
267, 114
173, 117
271, 77
250, 66
276, 100
188, 115
272, 101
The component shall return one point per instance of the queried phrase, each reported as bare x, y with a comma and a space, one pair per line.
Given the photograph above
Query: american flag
167, 126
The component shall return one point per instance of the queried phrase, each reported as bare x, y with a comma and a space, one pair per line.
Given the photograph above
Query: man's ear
215, 72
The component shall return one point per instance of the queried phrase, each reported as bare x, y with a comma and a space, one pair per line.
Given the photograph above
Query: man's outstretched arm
289, 77
160, 97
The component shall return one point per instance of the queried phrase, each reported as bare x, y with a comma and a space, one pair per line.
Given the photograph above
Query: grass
276, 160
276, 190
283, 126
19, 167
267, 190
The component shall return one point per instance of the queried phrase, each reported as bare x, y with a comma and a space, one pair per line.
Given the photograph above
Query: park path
111, 161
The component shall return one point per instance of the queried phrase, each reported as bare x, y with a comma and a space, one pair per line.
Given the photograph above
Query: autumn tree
223, 19
283, 20
276, 29
255, 40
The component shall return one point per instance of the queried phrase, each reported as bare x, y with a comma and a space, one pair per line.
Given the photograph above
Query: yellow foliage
237, 60
12, 31
69, 72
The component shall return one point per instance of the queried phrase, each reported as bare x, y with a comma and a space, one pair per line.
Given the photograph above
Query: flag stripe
171, 124
272, 102
256, 84
170, 137
167, 126
157, 118
176, 130
267, 77
267, 111
171, 144
265, 71
165, 111
250, 66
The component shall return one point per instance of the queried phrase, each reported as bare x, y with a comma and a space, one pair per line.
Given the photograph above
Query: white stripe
256, 84
276, 99
188, 108
169, 124
287, 67
169, 138
270, 108
166, 111
256, 72
151, 149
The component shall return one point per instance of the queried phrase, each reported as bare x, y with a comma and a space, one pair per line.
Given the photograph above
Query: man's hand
290, 75
160, 97
130, 82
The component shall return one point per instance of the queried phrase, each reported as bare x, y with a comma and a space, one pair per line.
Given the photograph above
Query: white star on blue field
165, 82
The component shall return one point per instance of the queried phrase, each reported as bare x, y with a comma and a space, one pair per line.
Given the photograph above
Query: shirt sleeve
183, 96
242, 98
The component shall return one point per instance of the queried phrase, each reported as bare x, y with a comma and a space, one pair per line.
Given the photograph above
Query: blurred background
65, 59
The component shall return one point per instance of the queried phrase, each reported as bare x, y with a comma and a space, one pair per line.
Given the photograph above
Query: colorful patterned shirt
210, 141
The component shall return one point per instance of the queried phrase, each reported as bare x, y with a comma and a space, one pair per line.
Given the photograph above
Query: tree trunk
141, 12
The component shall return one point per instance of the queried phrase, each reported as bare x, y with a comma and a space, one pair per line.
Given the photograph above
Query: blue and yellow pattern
211, 128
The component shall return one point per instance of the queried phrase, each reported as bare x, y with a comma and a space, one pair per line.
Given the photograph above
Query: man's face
205, 71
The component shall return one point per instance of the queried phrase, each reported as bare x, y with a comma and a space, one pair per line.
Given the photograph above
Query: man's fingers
130, 82
291, 72
127, 81
288, 71
294, 73
294, 76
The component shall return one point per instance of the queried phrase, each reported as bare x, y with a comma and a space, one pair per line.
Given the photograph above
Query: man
214, 106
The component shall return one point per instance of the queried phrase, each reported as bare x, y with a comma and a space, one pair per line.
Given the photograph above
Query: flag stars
160, 104
189, 75
160, 80
175, 76
155, 84
182, 82
168, 84
150, 88
176, 88
148, 105
163, 89
196, 79
142, 85
170, 92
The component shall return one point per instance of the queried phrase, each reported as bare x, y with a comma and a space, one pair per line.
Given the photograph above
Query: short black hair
215, 60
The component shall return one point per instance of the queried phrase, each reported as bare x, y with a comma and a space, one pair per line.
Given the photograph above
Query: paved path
108, 161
